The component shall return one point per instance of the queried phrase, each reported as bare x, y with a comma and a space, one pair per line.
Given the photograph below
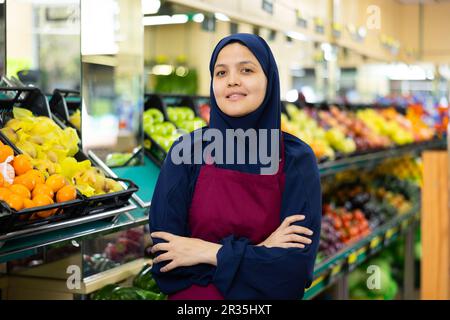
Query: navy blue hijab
267, 115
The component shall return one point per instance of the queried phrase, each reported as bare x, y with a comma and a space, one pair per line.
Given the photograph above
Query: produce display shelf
371, 159
18, 245
328, 271
115, 275
24, 246
144, 176
87, 285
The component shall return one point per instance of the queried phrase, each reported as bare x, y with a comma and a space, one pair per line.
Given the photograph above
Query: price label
361, 251
352, 258
390, 233
375, 242
336, 270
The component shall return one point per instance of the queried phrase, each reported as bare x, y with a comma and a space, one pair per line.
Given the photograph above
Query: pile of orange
30, 189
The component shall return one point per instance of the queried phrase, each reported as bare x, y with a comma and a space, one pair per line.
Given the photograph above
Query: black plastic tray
30, 98
109, 201
13, 220
95, 204
62, 108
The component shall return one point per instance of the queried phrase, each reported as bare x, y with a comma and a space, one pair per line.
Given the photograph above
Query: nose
233, 80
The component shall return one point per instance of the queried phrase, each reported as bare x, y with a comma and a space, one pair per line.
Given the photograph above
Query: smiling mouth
236, 96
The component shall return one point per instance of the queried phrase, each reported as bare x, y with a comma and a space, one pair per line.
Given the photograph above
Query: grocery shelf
371, 159
21, 245
144, 176
330, 270
24, 246
29, 281
25, 243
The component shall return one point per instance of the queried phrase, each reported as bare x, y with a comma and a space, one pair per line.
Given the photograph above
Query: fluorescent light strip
221, 16
159, 20
198, 17
296, 35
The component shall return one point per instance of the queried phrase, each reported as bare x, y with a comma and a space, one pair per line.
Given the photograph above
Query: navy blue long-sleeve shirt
244, 271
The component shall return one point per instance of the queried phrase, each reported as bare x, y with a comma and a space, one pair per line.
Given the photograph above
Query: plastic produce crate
33, 100
63, 104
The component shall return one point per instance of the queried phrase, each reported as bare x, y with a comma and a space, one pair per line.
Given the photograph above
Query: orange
2, 180
4, 193
5, 152
28, 180
22, 164
43, 200
56, 182
42, 189
21, 190
15, 201
28, 203
39, 176
66, 193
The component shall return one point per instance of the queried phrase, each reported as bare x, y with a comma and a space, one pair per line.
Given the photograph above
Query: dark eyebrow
246, 62
240, 63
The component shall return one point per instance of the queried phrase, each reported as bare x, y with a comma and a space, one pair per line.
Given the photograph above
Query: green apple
157, 115
173, 114
149, 128
164, 129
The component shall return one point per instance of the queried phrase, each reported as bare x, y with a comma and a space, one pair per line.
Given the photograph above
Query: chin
232, 112
235, 110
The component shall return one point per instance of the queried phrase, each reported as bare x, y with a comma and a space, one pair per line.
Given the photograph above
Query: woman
224, 230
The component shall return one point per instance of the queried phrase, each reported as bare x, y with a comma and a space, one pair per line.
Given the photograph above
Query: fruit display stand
30, 287
335, 269
65, 108
144, 176
166, 118
372, 159
102, 207
152, 149
74, 269
327, 273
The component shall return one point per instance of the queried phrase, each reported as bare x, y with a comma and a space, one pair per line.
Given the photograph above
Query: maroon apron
227, 202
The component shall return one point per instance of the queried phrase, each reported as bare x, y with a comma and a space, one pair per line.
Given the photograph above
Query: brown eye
247, 70
220, 73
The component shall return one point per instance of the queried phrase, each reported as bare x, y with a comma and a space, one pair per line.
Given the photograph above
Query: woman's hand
184, 251
287, 235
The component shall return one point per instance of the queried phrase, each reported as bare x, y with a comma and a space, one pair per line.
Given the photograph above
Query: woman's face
239, 82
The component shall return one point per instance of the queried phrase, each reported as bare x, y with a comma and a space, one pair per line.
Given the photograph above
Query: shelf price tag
390, 233
352, 258
375, 242
336, 269
334, 272
361, 251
